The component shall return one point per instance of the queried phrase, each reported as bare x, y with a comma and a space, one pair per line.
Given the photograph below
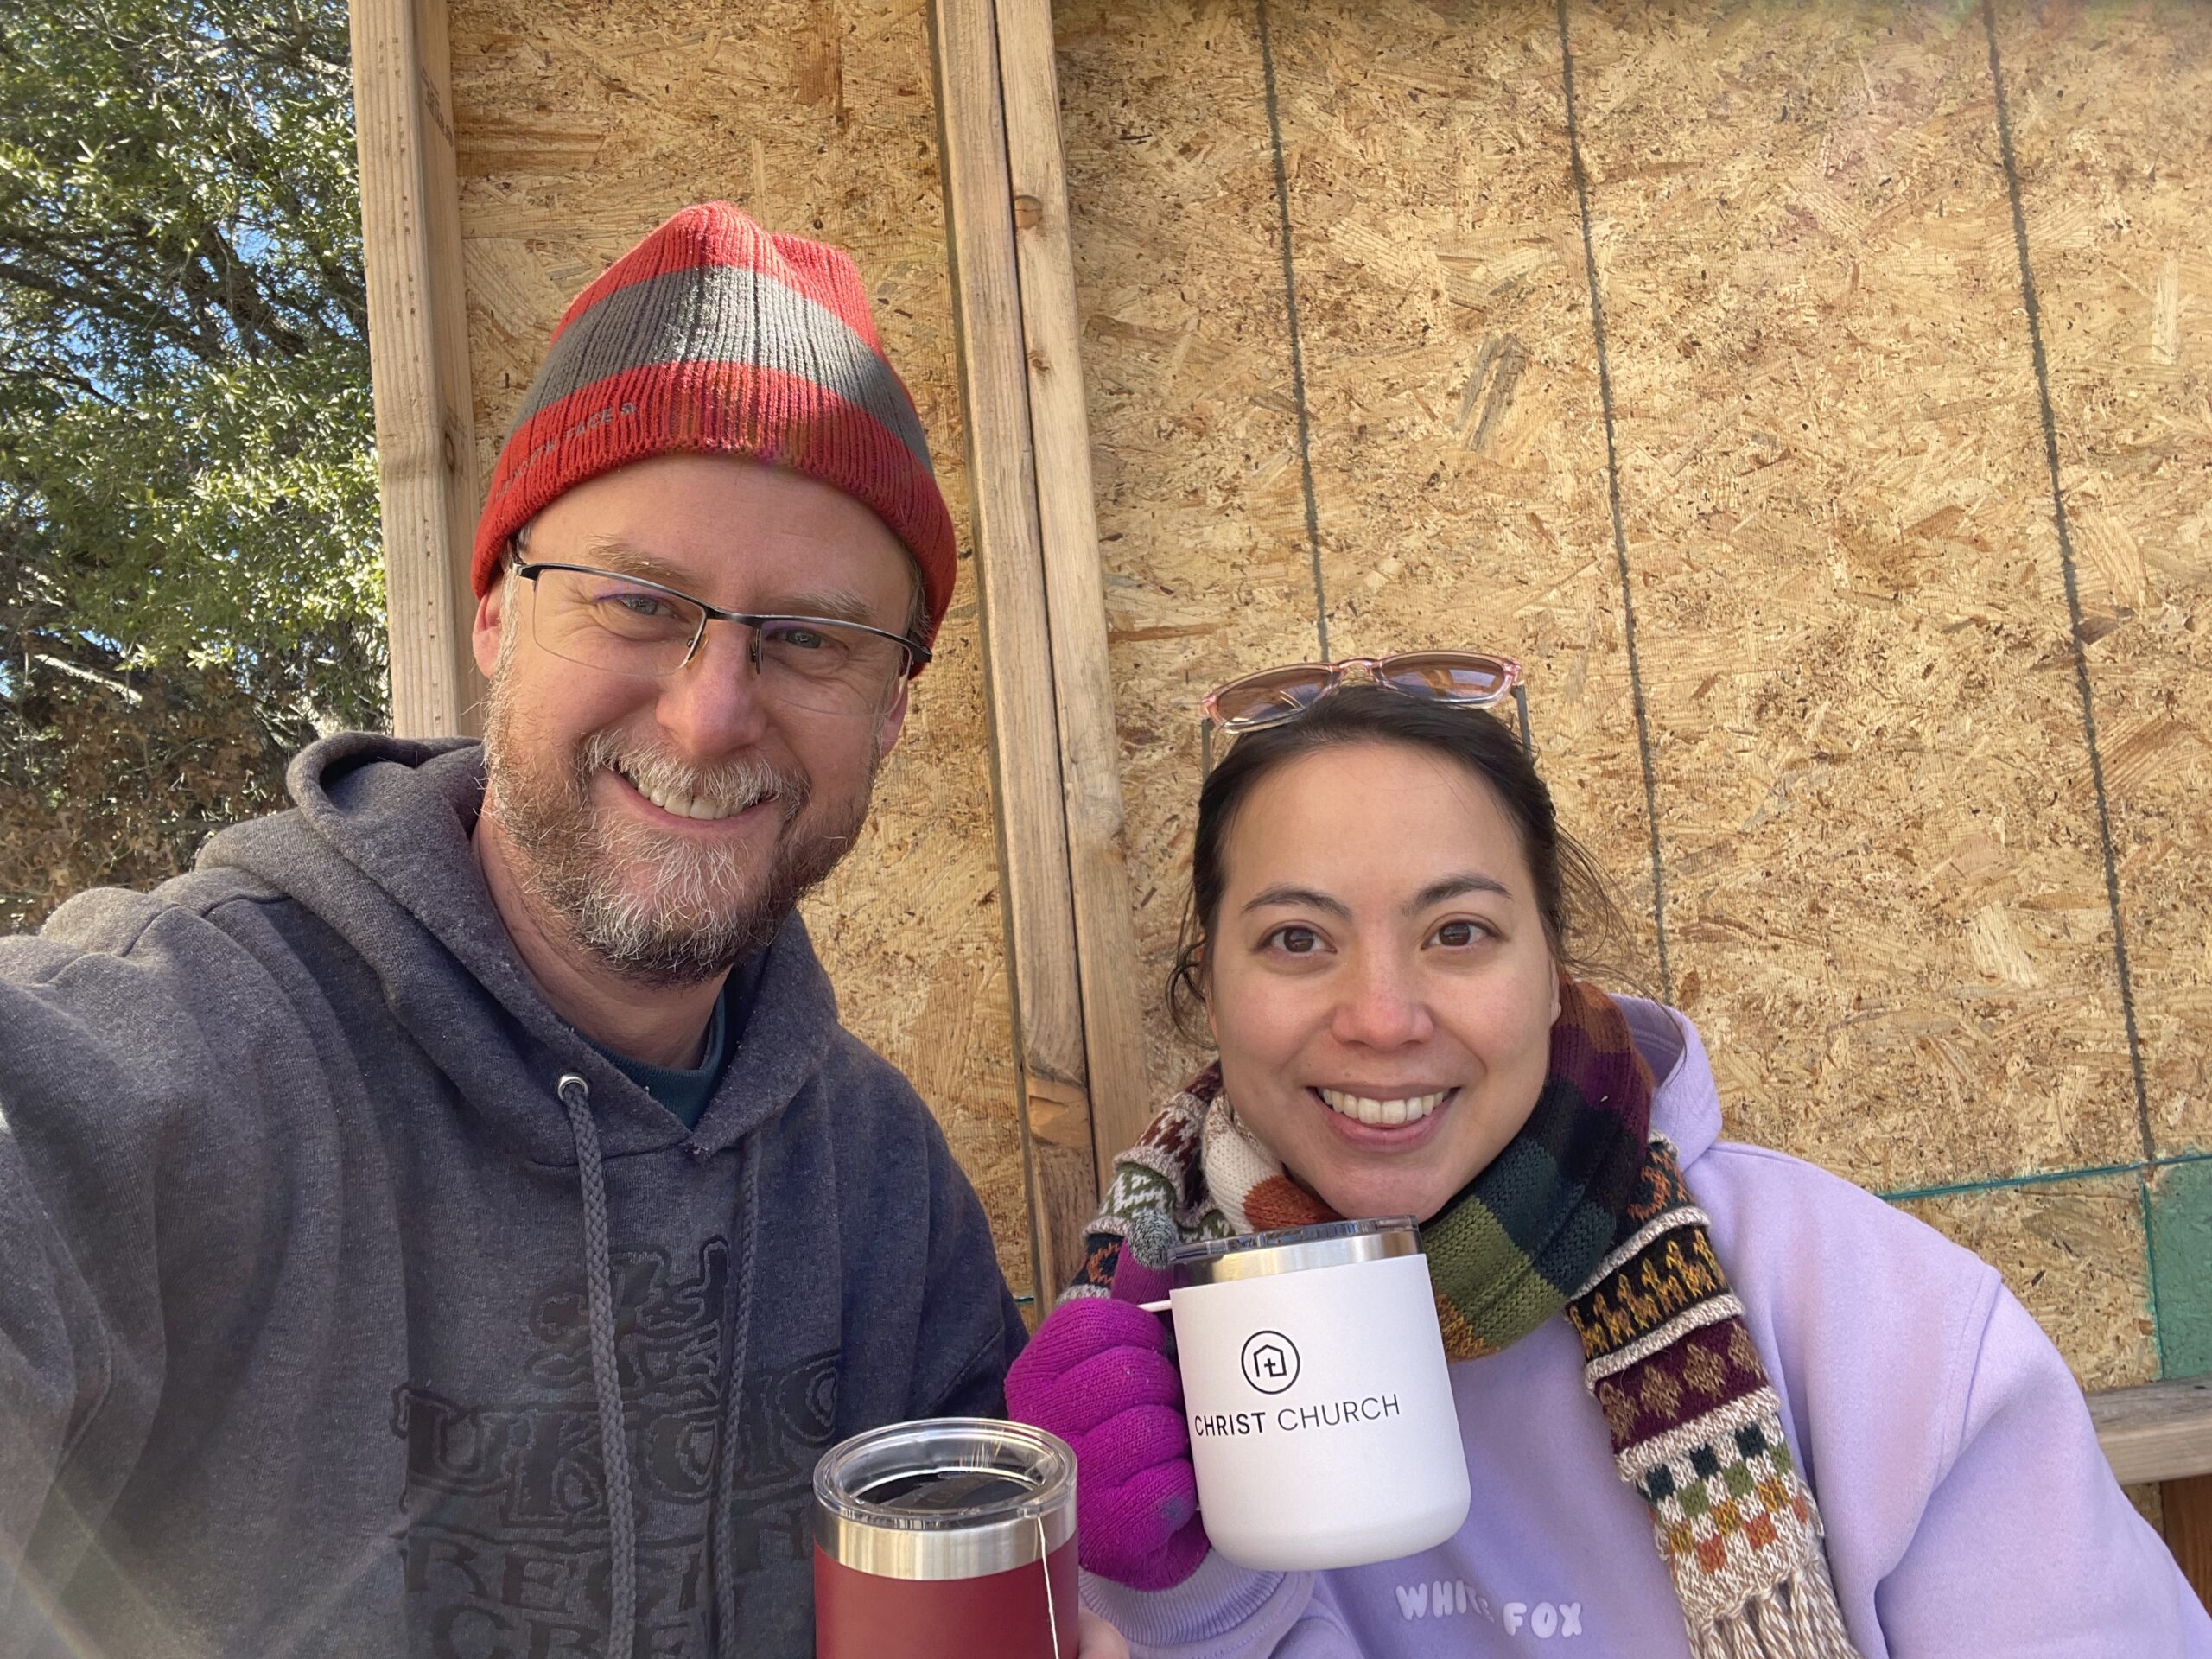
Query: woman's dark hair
1581, 922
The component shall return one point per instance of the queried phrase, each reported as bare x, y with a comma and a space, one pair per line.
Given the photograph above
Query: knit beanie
713, 336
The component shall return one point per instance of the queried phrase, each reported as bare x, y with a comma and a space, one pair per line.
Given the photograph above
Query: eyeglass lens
1448, 675
1275, 695
600, 621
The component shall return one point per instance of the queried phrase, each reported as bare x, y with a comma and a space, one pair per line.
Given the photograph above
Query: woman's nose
1382, 1006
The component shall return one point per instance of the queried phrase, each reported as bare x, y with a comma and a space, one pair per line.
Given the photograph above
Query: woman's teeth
1385, 1113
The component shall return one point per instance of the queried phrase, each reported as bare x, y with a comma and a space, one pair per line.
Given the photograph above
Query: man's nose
713, 705
1381, 1004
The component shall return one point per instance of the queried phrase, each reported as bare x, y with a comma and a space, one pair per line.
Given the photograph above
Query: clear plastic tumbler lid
946, 1497
1292, 1250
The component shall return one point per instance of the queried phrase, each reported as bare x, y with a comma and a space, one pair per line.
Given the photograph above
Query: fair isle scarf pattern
1584, 1211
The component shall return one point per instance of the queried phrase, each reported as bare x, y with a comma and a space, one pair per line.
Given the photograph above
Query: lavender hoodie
1968, 1508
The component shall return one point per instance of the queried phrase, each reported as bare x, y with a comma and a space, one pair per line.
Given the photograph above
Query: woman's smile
1383, 1119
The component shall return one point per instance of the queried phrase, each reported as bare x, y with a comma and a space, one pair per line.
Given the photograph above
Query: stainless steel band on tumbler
993, 1536
1292, 1250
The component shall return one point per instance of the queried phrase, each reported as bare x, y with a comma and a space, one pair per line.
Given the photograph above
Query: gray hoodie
329, 1255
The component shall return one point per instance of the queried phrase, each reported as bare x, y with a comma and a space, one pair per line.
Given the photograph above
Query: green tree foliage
188, 556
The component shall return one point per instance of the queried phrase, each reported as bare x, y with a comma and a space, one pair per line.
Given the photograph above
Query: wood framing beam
1054, 761
2162, 1430
418, 359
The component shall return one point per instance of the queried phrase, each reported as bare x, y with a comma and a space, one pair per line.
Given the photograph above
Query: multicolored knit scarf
1587, 1212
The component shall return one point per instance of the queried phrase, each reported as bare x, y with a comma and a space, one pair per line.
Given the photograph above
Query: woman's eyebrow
1301, 898
1452, 887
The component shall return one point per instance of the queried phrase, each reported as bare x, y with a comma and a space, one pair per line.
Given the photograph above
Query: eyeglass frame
1212, 722
918, 654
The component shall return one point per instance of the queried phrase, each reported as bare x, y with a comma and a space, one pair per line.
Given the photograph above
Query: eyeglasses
626, 624
1277, 695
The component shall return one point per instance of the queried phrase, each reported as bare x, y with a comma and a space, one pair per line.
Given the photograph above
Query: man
451, 1220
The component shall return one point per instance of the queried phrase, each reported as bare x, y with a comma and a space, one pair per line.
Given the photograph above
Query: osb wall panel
1345, 386
579, 126
1854, 624
2111, 117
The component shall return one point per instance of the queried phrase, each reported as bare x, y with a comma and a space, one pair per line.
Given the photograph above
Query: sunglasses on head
1276, 695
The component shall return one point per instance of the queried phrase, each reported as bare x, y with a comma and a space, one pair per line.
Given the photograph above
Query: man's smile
672, 800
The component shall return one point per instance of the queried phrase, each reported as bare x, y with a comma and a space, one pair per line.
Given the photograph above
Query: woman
1680, 1342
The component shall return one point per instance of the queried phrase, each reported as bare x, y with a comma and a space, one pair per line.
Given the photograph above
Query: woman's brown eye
1456, 933
1299, 941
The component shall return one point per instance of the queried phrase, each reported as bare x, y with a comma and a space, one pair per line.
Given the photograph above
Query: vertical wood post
1075, 587
2187, 1507
418, 357
1054, 763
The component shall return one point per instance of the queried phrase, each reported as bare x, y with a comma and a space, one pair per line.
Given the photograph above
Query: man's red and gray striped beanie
713, 336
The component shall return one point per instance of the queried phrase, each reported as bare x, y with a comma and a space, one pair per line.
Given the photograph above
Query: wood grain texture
1886, 900
2111, 110
1017, 650
1091, 777
2160, 1431
2187, 1507
418, 352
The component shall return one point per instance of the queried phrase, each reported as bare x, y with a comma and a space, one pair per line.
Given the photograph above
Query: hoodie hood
376, 848
1685, 1103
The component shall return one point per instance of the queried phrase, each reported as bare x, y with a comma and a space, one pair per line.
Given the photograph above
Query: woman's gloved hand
1097, 1374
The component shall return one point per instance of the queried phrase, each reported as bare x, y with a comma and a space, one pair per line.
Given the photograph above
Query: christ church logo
1270, 1360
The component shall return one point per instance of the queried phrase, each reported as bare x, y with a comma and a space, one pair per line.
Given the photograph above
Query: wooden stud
1020, 697
1075, 589
418, 355
2187, 1507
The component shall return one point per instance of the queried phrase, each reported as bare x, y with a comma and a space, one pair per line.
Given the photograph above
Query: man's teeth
682, 803
1386, 1113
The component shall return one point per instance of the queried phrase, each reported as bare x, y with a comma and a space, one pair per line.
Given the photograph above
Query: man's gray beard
693, 920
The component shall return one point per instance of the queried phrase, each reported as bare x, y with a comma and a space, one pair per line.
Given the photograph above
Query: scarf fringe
1798, 1618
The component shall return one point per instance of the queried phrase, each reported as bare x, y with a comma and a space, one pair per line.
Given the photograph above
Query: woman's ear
1555, 1002
1202, 975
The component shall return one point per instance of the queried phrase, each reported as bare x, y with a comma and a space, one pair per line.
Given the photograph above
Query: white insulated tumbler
1314, 1382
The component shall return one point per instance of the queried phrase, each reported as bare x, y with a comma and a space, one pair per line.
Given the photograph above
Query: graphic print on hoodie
295, 1349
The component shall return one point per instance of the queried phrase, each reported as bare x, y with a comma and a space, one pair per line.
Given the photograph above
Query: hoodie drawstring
737, 1310
606, 1377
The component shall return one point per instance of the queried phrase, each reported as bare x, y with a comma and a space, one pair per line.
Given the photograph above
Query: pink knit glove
1097, 1374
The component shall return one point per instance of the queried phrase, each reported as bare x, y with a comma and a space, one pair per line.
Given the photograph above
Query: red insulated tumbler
951, 1538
